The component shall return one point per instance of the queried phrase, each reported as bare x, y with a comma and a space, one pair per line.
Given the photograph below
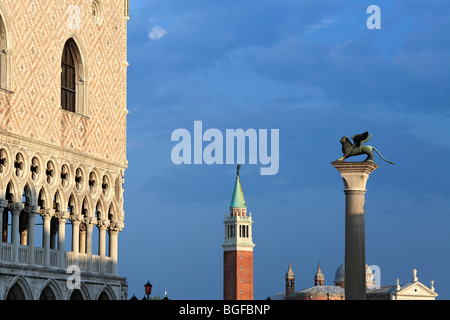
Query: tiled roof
322, 290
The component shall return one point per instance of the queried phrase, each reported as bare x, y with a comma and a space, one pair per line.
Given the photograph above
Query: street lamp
148, 289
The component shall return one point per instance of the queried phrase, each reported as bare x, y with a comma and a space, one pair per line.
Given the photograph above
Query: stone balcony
92, 263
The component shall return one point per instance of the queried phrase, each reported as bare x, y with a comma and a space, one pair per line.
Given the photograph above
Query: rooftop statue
350, 149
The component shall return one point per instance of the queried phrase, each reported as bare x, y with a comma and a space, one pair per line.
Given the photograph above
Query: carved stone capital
47, 213
355, 174
76, 218
16, 207
3, 203
103, 223
61, 215
88, 221
116, 226
31, 214
33, 209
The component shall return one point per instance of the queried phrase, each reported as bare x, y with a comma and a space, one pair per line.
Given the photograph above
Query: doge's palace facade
63, 70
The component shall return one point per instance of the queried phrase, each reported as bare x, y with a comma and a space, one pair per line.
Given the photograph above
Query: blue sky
313, 70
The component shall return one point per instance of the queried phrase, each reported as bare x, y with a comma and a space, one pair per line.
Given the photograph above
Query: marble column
89, 226
15, 211
114, 230
82, 237
31, 241
23, 227
102, 226
62, 218
101, 240
355, 175
46, 218
76, 220
53, 232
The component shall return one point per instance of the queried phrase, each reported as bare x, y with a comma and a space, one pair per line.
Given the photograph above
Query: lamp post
148, 289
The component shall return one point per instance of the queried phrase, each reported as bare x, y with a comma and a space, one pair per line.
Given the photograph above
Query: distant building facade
413, 290
63, 77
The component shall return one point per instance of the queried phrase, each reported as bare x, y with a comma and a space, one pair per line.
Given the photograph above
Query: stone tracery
32, 189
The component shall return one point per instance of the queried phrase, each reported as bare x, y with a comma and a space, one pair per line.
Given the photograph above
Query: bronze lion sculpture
350, 149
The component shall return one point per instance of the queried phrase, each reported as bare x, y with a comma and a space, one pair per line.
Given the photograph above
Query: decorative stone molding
5, 168
50, 170
97, 12
355, 174
124, 290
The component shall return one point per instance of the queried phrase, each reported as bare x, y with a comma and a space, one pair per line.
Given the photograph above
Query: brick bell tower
238, 249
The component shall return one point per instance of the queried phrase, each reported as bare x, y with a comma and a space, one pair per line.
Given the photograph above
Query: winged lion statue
350, 149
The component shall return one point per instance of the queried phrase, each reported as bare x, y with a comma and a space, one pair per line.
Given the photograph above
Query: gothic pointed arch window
3, 62
5, 50
68, 77
73, 79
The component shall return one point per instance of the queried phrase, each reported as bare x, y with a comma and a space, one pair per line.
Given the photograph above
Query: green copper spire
238, 200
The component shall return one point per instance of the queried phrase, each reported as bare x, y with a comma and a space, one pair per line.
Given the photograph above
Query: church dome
339, 277
340, 274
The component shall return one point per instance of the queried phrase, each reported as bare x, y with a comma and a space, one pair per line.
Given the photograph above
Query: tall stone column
355, 175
